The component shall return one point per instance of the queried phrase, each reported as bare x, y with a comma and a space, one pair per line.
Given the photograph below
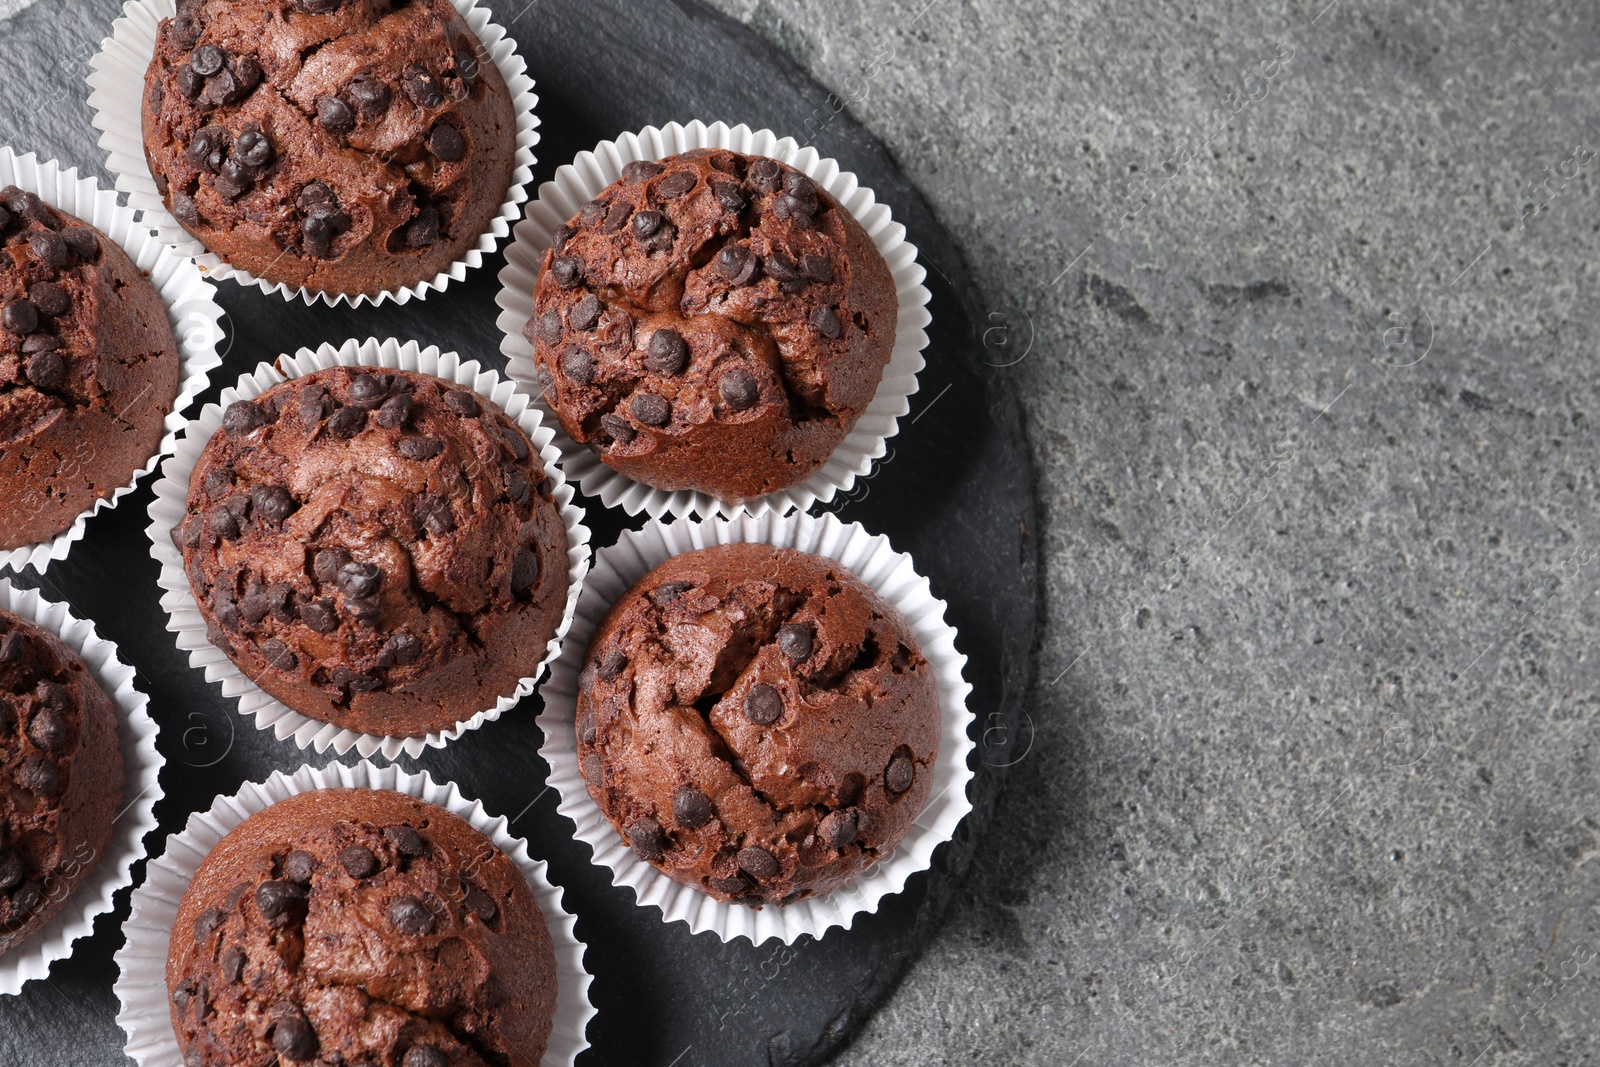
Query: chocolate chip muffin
347, 146
61, 765
377, 549
88, 368
360, 926
712, 321
757, 723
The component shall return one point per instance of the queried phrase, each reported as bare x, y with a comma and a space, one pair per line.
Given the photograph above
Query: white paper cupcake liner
116, 77
141, 765
184, 290
141, 986
585, 178
892, 575
171, 502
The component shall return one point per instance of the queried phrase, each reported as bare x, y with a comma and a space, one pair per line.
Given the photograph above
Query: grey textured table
1313, 777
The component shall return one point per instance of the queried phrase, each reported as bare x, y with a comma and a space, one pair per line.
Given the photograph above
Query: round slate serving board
956, 492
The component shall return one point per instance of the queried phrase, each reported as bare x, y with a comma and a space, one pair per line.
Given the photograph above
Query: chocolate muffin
88, 368
712, 321
61, 765
377, 549
757, 723
347, 146
360, 926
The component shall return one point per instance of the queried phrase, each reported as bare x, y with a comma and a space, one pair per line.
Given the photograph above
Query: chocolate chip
368, 390
317, 199
224, 88
649, 841
11, 647
481, 903
278, 655
317, 7
676, 184
650, 409
420, 448
11, 870
316, 237
403, 648
327, 563
253, 149
294, 1038
39, 776
49, 248
728, 196
186, 210
371, 97
347, 422
758, 863
578, 366
516, 442
20, 316
394, 412
208, 147
668, 352
817, 268
640, 170
794, 641
299, 866
739, 390
278, 900
424, 1056
185, 32
358, 862
248, 72
737, 265
550, 327
335, 115
765, 175
461, 401
234, 181
410, 916
446, 142
736, 886
46, 369
207, 60
524, 571
567, 271
611, 665
518, 487
825, 322
48, 730
40, 342
617, 216
585, 313
792, 208
593, 770
54, 697
900, 773
690, 807
839, 828
29, 206
233, 965
49, 298
243, 417
421, 88
618, 428
433, 514
188, 82
206, 923
594, 211
666, 594
588, 728
646, 223
355, 681
763, 706
406, 841
272, 503
423, 230
358, 579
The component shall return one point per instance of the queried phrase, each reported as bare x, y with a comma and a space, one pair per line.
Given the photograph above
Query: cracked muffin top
60, 775
348, 146
712, 321
360, 926
757, 722
88, 368
377, 549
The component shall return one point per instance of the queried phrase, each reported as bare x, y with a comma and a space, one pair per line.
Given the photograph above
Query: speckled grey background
1303, 303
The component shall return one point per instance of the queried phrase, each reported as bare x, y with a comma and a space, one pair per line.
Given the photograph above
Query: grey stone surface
1308, 373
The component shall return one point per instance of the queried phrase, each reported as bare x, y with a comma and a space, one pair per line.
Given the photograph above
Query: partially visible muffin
377, 549
88, 368
348, 146
360, 926
712, 321
757, 723
60, 776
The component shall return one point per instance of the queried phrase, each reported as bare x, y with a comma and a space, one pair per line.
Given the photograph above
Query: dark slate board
957, 494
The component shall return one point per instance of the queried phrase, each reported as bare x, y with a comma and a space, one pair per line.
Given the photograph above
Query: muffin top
356, 530
712, 321
62, 773
86, 350
360, 926
343, 145
757, 722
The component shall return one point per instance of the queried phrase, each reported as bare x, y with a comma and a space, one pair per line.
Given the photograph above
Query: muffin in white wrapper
586, 177
195, 316
172, 491
141, 766
116, 79
141, 987
892, 576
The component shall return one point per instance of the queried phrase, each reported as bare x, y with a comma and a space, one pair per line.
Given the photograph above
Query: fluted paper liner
871, 559
585, 178
170, 505
141, 765
141, 986
184, 290
116, 78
